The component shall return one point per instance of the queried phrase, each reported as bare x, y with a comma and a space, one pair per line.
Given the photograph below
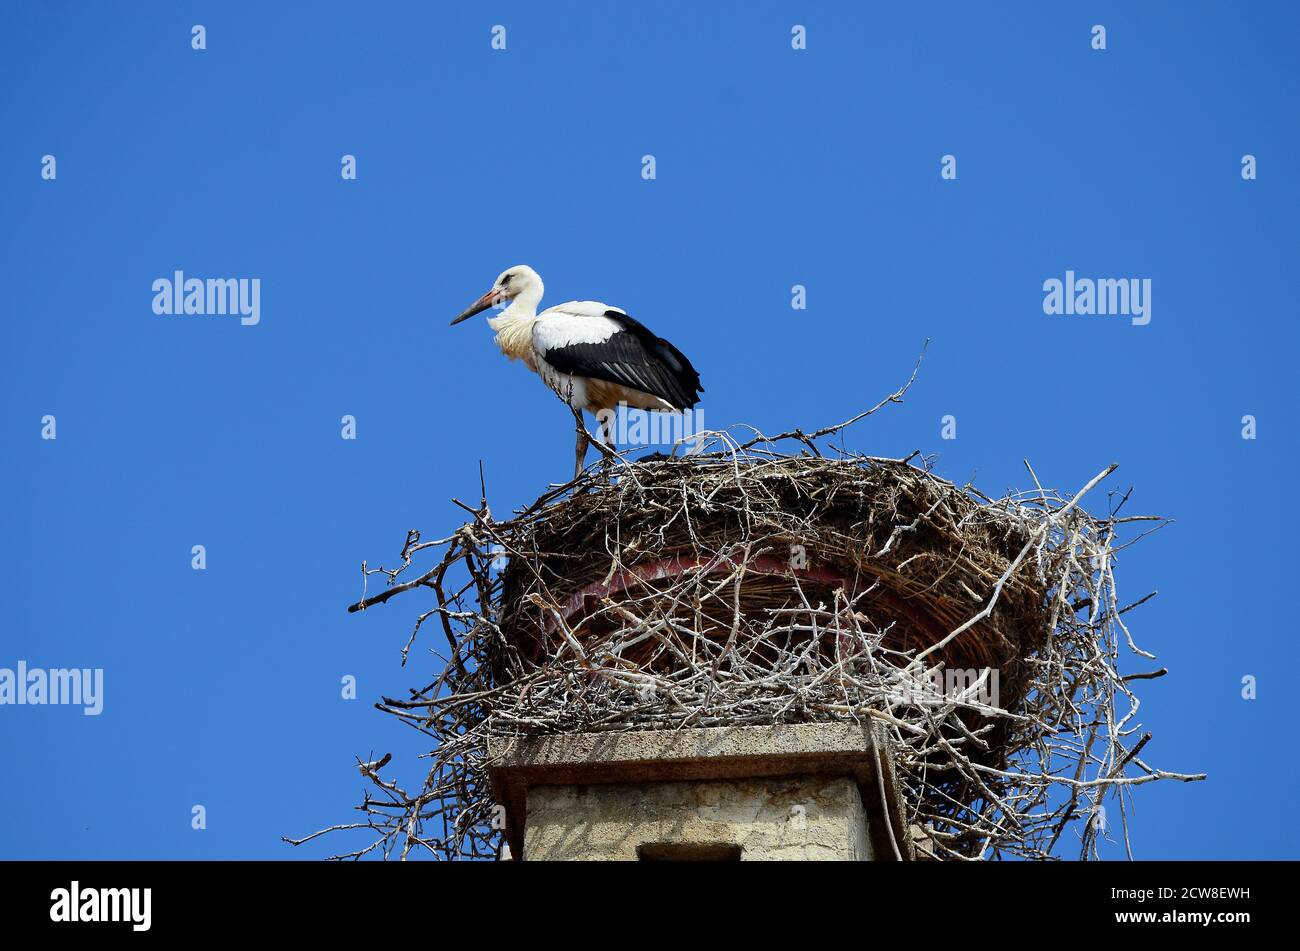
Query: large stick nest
748, 584
752, 571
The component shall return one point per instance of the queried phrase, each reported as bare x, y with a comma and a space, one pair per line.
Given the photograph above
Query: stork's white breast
571, 389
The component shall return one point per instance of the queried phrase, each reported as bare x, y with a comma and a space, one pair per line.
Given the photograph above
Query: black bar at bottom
384, 901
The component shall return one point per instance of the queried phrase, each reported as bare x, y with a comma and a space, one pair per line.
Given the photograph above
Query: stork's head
519, 281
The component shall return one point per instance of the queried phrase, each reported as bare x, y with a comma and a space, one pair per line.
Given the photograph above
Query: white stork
595, 357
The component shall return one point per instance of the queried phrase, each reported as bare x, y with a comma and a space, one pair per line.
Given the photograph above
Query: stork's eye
505, 280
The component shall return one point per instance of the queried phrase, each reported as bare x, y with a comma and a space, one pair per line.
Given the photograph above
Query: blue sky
774, 167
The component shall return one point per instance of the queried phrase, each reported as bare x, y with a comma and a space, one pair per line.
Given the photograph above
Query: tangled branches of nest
755, 584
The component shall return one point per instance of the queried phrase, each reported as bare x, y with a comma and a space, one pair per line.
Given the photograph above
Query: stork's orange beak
480, 305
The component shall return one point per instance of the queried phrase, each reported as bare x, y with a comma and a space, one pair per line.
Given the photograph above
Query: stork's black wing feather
633, 356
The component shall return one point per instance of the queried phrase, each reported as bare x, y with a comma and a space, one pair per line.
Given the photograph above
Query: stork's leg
607, 435
580, 451
605, 442
606, 446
